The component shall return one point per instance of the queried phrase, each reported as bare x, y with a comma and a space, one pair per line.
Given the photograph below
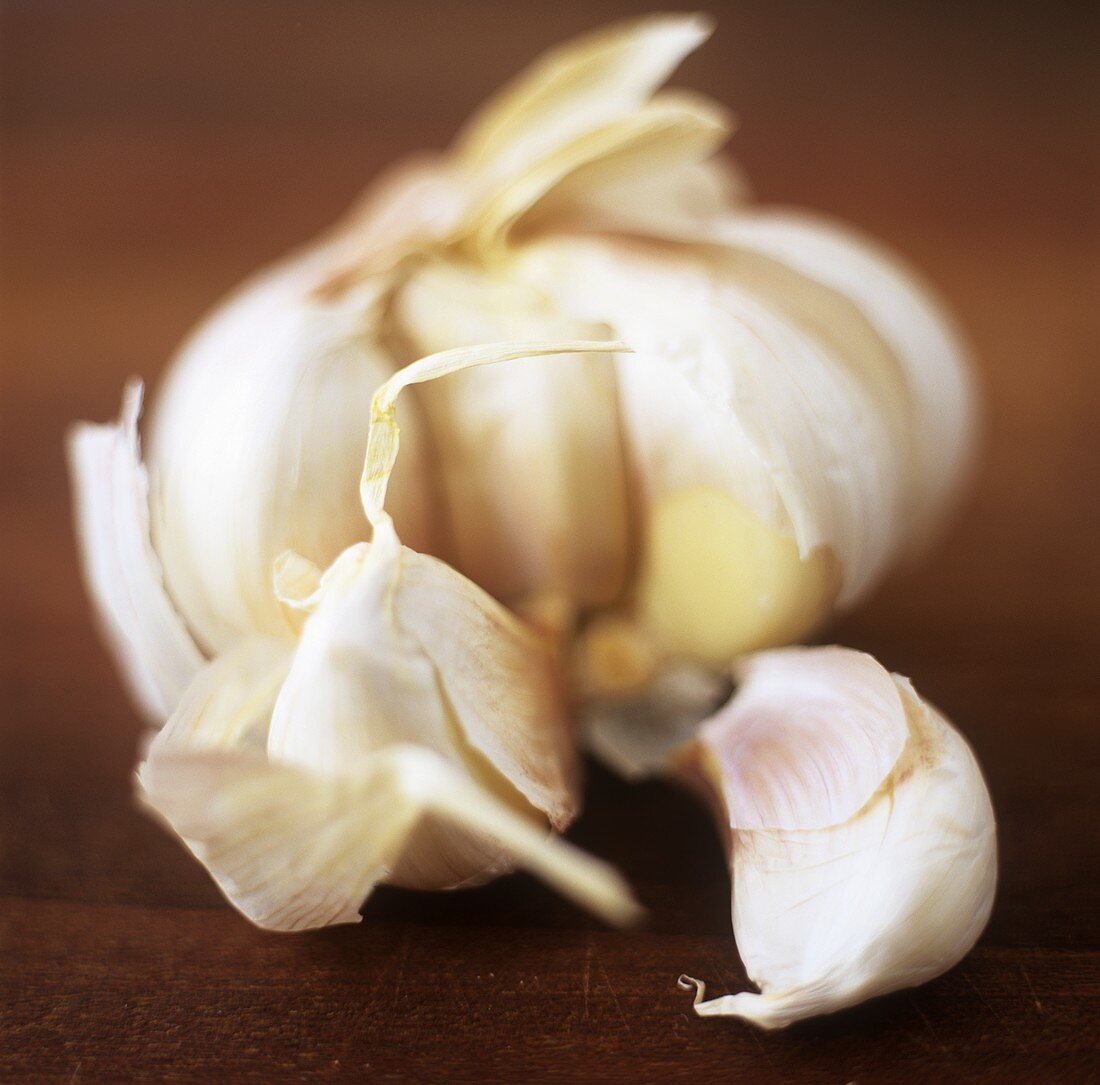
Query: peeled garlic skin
888, 898
401, 649
257, 442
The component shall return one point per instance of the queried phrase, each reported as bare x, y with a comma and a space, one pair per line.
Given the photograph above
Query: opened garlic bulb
861, 836
798, 413
406, 729
345, 709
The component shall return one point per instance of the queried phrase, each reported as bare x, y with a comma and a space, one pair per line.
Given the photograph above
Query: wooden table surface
152, 155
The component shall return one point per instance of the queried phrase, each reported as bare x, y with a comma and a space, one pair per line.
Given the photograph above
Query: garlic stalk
861, 836
411, 730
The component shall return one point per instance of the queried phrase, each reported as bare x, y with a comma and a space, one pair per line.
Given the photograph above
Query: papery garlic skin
155, 651
934, 364
398, 648
407, 729
857, 869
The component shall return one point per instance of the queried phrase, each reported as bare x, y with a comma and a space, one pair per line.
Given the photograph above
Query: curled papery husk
414, 735
862, 839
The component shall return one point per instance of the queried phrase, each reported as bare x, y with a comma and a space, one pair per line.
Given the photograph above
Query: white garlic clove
530, 456
257, 443
777, 420
151, 642
767, 474
843, 889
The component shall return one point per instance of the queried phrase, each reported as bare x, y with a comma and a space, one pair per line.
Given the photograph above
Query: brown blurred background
151, 154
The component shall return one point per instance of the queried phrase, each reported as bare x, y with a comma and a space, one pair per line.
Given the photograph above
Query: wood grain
154, 154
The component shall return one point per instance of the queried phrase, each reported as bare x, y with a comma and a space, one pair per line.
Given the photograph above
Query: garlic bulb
797, 416
406, 728
862, 840
794, 415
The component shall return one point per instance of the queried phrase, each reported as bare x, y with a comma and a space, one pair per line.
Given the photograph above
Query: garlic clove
732, 400
530, 456
825, 914
151, 642
807, 740
257, 444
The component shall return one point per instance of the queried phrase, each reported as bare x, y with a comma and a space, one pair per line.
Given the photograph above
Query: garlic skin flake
408, 729
861, 834
151, 643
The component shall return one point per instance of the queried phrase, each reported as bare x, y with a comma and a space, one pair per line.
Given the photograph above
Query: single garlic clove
778, 418
151, 643
746, 435
530, 457
862, 839
257, 443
